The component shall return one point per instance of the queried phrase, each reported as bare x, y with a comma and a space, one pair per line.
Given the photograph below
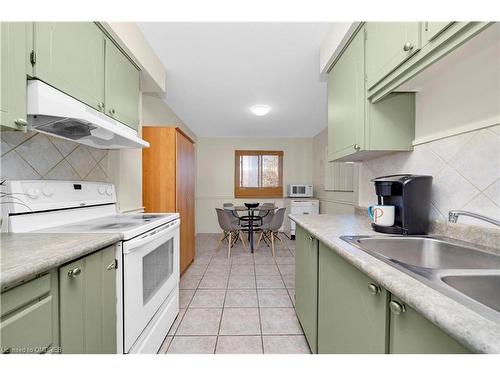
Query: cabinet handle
407, 47
112, 111
357, 147
373, 289
311, 238
74, 272
21, 122
112, 265
100, 105
397, 308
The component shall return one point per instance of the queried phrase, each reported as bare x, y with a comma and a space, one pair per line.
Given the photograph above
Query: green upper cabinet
70, 57
388, 45
306, 285
357, 128
411, 333
88, 304
346, 101
352, 308
14, 52
430, 30
122, 87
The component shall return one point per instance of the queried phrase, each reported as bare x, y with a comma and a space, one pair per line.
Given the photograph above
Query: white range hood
55, 113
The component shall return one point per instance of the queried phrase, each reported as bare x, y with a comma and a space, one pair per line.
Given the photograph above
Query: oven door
150, 273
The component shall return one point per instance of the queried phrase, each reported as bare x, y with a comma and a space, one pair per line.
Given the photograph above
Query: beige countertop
472, 329
24, 255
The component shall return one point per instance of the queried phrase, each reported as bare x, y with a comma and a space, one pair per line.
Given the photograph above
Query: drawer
29, 330
21, 295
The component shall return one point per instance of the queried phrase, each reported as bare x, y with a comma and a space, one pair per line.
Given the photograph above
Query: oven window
157, 267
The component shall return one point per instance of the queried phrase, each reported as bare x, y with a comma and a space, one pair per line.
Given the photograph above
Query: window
258, 174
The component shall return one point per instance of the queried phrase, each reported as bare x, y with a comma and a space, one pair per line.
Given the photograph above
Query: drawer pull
373, 289
74, 272
397, 308
407, 47
112, 265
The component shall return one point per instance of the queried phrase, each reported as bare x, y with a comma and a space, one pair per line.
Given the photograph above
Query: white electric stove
148, 284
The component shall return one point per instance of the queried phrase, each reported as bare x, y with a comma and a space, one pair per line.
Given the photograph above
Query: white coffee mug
382, 215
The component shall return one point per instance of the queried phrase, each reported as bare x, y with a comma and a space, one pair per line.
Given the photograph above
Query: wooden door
346, 101
70, 57
352, 308
388, 44
13, 54
306, 285
159, 169
185, 198
121, 87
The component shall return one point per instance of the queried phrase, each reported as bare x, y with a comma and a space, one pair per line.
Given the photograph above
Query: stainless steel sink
427, 252
482, 288
465, 272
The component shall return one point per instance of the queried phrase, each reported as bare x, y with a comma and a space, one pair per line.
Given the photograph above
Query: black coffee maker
411, 197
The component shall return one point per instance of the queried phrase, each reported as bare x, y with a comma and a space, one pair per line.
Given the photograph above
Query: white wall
215, 172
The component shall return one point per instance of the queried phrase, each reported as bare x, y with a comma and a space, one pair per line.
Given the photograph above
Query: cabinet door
352, 308
388, 44
346, 100
185, 198
413, 334
306, 285
88, 304
13, 50
70, 57
431, 30
122, 87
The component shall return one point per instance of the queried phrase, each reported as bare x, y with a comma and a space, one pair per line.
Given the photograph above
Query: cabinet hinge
33, 58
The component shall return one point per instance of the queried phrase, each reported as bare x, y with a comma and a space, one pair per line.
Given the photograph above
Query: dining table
251, 218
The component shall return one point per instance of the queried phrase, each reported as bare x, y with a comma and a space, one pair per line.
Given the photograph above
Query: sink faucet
454, 214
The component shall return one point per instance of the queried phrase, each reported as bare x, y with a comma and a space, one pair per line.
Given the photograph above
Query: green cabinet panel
70, 57
430, 30
306, 285
88, 304
29, 321
13, 54
352, 312
388, 44
122, 87
357, 128
346, 100
410, 332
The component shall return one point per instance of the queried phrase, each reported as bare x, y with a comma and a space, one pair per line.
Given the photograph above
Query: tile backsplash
35, 156
465, 167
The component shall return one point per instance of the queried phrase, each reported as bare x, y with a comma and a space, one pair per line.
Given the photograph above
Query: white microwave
300, 191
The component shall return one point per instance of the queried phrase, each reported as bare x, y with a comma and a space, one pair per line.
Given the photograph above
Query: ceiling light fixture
260, 109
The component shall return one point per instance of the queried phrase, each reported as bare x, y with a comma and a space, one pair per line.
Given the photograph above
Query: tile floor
241, 305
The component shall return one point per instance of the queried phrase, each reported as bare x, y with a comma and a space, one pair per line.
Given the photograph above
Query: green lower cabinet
352, 308
13, 54
411, 333
29, 318
88, 304
306, 285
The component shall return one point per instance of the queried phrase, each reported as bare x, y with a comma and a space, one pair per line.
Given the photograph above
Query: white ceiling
217, 71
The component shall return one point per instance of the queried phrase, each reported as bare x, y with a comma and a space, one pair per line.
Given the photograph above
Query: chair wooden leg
258, 241
229, 246
279, 238
222, 236
272, 243
242, 240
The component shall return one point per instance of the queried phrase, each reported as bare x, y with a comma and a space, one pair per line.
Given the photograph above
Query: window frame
257, 192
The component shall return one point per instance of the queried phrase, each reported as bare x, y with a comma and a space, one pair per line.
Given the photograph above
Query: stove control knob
109, 190
33, 193
101, 189
47, 191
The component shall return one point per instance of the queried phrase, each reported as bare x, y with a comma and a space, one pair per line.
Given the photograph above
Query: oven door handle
133, 244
